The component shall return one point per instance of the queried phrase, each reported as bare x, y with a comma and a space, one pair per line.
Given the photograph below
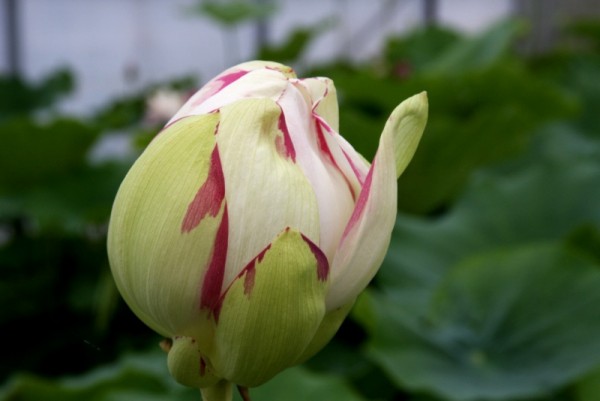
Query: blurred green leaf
145, 377
134, 377
70, 201
129, 111
477, 52
54, 285
34, 153
298, 384
507, 324
418, 49
585, 239
588, 388
295, 44
575, 65
548, 194
18, 97
233, 12
495, 299
586, 30
122, 113
475, 119
581, 76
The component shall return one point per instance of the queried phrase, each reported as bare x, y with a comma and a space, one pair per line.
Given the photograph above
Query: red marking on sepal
250, 271
209, 197
322, 262
202, 366
249, 280
210, 294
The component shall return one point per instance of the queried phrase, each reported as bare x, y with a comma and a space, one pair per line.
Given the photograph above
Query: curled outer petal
324, 99
148, 242
367, 234
254, 79
271, 311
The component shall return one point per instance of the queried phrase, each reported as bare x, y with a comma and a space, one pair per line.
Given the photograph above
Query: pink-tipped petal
212, 282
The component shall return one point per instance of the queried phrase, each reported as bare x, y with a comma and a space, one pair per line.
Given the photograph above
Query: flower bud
248, 227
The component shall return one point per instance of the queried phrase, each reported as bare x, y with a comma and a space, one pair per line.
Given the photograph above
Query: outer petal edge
367, 235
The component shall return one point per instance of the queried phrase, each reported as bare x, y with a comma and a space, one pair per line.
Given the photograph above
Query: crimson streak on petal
210, 294
230, 78
360, 203
209, 197
322, 262
250, 271
287, 149
324, 146
357, 173
202, 367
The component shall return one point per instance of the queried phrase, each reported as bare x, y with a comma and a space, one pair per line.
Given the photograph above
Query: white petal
332, 188
265, 189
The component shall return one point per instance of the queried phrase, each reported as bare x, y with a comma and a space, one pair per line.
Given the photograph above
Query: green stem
219, 392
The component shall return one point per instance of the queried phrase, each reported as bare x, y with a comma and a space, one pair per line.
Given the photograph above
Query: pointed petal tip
406, 125
416, 106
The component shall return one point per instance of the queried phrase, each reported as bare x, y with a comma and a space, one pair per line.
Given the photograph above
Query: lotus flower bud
248, 227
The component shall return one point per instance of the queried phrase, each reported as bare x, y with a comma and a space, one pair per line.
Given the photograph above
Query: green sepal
188, 366
271, 312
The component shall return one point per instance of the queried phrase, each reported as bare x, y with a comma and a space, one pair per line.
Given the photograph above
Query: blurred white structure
116, 47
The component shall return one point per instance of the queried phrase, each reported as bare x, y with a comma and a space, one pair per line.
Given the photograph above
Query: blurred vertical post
262, 27
13, 56
430, 12
547, 17
344, 47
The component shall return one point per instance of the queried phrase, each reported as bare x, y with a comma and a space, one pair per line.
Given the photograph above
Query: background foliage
491, 286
